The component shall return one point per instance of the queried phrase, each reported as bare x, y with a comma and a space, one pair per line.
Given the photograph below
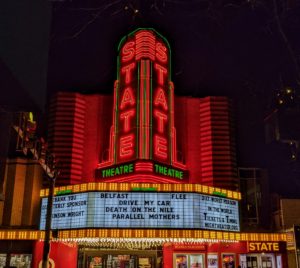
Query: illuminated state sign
143, 117
142, 210
263, 246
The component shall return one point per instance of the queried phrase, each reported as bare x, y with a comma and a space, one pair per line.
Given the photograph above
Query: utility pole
51, 174
296, 230
28, 143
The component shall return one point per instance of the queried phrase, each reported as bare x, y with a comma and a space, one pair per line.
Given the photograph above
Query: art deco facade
147, 179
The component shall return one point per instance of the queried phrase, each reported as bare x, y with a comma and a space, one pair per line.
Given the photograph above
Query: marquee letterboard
142, 210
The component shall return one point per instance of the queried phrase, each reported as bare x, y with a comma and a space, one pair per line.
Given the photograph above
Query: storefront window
252, 261
20, 260
144, 262
266, 262
259, 260
95, 262
228, 260
196, 261
189, 261
181, 261
212, 261
3, 260
279, 261
120, 261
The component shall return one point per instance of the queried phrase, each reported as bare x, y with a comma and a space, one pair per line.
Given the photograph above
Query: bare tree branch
286, 41
95, 16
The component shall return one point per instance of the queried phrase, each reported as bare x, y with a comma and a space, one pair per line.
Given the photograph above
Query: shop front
15, 253
184, 255
109, 258
264, 254
151, 248
225, 255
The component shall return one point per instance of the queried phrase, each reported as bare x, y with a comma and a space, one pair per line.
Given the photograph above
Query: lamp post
296, 230
51, 172
27, 142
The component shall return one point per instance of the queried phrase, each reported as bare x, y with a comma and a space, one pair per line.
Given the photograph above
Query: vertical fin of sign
144, 113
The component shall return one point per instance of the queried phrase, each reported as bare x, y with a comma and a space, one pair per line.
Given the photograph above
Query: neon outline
141, 89
161, 70
148, 104
126, 116
161, 118
161, 52
129, 52
145, 45
160, 143
144, 166
150, 112
138, 109
141, 178
128, 146
129, 95
160, 98
172, 130
128, 70
144, 109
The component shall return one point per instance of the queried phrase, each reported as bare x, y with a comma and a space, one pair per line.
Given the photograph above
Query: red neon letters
139, 54
126, 116
144, 46
161, 109
160, 145
161, 73
127, 70
127, 105
143, 119
128, 51
126, 146
160, 98
127, 98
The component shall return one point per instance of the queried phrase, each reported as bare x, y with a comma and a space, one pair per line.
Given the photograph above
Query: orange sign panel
263, 246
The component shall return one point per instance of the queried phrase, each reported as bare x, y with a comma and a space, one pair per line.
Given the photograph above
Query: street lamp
27, 142
51, 172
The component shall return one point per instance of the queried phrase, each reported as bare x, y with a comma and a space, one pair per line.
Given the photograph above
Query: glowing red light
127, 98
126, 117
128, 51
161, 73
160, 98
126, 146
145, 45
162, 119
128, 70
160, 147
143, 121
161, 52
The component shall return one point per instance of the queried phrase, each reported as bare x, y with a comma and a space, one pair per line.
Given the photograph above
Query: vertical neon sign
143, 126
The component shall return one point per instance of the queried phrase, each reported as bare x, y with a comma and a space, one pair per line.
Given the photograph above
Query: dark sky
24, 45
219, 47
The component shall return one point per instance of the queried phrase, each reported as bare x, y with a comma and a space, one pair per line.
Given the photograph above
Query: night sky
232, 48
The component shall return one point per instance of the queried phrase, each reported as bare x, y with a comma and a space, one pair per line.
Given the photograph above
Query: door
266, 262
252, 262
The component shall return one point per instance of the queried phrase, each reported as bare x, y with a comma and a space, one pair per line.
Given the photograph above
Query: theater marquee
142, 210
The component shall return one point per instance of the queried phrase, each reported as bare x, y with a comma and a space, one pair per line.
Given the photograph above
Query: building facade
255, 205
147, 179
